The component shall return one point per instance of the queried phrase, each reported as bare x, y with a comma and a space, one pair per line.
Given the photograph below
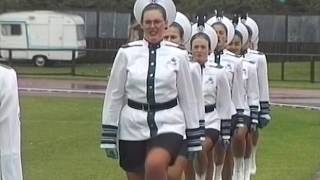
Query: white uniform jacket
148, 75
251, 88
216, 91
10, 155
196, 75
259, 59
233, 65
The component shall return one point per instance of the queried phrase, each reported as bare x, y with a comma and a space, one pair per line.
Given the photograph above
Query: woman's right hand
112, 153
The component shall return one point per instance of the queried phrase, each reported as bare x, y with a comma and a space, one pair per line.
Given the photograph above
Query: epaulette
251, 62
176, 46
218, 66
5, 66
232, 54
260, 53
215, 65
256, 52
130, 45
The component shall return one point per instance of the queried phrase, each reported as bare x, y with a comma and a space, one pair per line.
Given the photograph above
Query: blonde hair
135, 32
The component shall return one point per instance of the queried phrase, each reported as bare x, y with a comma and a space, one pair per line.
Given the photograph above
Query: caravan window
80, 32
11, 29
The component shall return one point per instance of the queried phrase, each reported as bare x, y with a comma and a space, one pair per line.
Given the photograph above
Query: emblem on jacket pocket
173, 61
210, 80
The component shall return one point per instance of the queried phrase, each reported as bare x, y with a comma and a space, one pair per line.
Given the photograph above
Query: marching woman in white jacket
150, 103
259, 59
10, 142
215, 91
230, 61
238, 45
179, 32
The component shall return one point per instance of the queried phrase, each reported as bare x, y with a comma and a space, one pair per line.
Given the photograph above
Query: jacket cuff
202, 128
109, 136
264, 107
254, 114
194, 139
225, 128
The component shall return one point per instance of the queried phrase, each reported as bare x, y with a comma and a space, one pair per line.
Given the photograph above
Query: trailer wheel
39, 61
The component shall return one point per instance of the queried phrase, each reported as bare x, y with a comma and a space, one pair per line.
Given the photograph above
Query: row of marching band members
232, 70
193, 105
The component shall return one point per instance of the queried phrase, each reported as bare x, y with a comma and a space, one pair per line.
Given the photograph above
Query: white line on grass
61, 90
103, 92
297, 106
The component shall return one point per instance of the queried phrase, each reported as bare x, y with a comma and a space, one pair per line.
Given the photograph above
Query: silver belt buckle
146, 109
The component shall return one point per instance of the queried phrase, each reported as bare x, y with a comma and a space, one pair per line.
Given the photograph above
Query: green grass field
297, 74
293, 71
61, 142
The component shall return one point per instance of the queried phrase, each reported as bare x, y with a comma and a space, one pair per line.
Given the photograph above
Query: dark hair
180, 29
201, 35
238, 34
249, 31
154, 6
220, 23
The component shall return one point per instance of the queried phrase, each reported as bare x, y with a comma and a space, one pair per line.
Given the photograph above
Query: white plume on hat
255, 44
228, 24
241, 28
167, 5
209, 31
253, 26
184, 22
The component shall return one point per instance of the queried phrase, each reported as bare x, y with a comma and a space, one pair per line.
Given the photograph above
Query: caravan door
14, 35
56, 37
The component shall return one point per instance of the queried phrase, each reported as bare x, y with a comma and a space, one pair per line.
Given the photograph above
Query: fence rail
297, 63
283, 59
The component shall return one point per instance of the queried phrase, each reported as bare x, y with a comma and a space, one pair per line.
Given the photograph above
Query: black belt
210, 108
152, 107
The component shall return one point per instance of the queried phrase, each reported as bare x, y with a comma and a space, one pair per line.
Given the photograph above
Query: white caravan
53, 34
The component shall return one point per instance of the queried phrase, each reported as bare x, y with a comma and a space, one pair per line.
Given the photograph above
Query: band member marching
259, 59
149, 102
225, 31
238, 45
10, 135
216, 93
